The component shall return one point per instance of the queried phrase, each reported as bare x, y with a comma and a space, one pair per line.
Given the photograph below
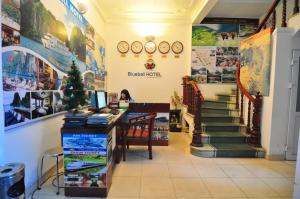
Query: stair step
221, 124
226, 97
221, 104
219, 118
234, 150
222, 127
233, 91
224, 137
227, 150
218, 110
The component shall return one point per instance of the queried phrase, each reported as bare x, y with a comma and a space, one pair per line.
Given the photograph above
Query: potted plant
175, 113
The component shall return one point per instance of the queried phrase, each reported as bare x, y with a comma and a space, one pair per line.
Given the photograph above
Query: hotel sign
145, 74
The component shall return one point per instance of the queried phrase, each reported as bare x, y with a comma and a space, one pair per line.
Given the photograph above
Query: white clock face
177, 47
164, 47
136, 47
123, 47
150, 47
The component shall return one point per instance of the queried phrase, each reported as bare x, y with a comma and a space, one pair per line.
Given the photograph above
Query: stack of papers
100, 119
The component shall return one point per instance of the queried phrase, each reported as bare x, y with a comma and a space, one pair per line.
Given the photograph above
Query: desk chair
138, 130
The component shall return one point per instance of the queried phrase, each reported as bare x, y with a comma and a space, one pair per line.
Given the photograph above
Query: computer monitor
101, 99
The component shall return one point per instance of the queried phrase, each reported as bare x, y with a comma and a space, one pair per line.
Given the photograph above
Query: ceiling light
82, 6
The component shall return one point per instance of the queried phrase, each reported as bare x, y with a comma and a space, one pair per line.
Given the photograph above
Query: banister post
255, 135
237, 97
283, 23
197, 133
185, 91
190, 102
296, 7
242, 109
274, 20
248, 119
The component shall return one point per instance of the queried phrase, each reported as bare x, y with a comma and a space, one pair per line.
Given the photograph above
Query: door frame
293, 86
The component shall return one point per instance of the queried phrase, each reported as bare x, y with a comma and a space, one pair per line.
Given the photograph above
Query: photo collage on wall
215, 51
39, 43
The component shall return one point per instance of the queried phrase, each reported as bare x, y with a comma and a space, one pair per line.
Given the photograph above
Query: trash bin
12, 181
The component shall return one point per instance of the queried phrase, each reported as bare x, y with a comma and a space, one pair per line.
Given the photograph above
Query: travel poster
85, 159
256, 63
216, 51
39, 42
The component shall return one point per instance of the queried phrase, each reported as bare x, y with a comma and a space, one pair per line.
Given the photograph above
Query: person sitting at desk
126, 96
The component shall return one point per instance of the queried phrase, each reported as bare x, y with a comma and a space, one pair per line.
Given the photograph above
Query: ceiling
240, 8
187, 11
151, 10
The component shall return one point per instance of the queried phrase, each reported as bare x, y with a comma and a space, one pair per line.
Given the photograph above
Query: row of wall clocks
150, 47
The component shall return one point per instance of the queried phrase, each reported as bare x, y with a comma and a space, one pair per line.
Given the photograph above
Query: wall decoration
256, 63
177, 47
164, 47
41, 104
215, 51
150, 64
16, 107
150, 47
40, 41
123, 47
137, 47
215, 35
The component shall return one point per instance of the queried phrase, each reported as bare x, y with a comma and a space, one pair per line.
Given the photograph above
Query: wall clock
136, 47
150, 47
177, 47
123, 47
164, 47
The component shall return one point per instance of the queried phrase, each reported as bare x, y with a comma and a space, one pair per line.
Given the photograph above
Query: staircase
222, 133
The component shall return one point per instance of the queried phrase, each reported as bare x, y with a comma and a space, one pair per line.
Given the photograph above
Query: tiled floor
174, 173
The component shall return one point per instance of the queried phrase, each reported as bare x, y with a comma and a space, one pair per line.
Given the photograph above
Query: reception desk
90, 153
89, 158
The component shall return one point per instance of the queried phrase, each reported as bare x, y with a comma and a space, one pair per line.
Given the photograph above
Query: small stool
52, 153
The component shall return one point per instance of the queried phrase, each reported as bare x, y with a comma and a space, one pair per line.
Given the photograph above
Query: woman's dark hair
127, 95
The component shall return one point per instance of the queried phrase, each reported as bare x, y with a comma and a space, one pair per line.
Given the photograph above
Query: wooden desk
89, 159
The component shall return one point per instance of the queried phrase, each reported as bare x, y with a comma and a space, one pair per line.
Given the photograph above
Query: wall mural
256, 63
215, 51
40, 40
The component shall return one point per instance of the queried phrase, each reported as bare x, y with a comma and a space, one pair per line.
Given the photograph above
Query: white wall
276, 106
27, 143
172, 69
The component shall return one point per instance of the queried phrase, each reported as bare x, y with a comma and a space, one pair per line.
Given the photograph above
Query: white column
276, 105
